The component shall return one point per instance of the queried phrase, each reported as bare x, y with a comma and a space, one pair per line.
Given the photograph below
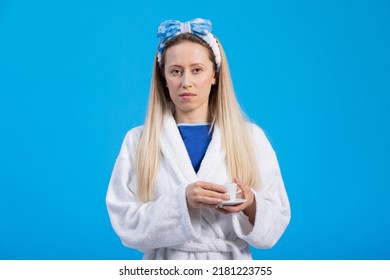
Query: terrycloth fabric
200, 27
167, 229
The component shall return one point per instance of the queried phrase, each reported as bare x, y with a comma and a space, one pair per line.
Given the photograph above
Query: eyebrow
191, 65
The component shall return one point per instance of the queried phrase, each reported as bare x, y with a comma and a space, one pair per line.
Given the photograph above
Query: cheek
206, 82
171, 84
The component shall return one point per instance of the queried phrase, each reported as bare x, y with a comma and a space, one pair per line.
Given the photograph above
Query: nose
186, 80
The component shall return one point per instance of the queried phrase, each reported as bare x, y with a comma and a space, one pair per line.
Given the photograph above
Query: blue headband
199, 27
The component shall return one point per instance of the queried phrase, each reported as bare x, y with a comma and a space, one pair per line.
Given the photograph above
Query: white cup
231, 190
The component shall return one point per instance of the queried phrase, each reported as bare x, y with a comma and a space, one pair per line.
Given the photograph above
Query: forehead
187, 53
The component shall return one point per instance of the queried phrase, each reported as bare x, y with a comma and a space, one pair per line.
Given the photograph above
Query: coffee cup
231, 190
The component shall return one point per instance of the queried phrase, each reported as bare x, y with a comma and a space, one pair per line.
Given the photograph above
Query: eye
176, 71
197, 70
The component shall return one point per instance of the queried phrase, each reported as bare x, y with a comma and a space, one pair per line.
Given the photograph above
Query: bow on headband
199, 27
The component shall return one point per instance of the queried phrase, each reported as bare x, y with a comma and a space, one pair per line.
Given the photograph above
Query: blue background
75, 76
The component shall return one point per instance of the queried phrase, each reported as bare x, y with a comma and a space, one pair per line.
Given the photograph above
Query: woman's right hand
205, 195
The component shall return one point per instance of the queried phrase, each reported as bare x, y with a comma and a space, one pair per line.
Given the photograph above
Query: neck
190, 117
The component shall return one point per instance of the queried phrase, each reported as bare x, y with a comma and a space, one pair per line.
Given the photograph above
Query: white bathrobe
167, 229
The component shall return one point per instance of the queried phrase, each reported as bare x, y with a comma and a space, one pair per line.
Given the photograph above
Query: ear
214, 81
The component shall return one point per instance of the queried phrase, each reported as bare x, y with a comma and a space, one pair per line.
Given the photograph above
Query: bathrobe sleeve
164, 222
272, 204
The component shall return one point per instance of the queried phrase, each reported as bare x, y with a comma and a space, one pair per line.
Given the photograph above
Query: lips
187, 95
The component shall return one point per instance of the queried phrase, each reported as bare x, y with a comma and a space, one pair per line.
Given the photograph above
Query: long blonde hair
223, 109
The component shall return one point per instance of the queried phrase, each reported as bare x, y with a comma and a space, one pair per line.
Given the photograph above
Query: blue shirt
196, 138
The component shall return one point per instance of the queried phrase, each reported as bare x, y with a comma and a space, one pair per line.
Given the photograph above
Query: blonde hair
223, 109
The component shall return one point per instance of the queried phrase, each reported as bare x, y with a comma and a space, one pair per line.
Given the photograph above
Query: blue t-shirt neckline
196, 138
194, 124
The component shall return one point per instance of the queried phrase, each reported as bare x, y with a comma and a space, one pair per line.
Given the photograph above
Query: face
189, 75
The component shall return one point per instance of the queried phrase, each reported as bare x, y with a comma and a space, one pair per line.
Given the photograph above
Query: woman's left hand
249, 206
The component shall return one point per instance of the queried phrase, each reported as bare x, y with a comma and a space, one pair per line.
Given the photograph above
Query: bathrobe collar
173, 148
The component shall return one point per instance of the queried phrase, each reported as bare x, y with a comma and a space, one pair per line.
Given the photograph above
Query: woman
166, 193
